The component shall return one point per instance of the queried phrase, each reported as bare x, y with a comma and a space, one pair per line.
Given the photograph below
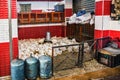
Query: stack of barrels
31, 68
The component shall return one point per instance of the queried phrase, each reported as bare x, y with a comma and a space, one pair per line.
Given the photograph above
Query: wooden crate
80, 31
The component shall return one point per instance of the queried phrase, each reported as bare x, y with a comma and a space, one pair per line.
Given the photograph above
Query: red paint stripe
97, 34
111, 33
3, 9
114, 33
14, 9
106, 33
15, 47
68, 12
5, 56
40, 32
39, 0
105, 6
34, 11
98, 8
101, 33
4, 59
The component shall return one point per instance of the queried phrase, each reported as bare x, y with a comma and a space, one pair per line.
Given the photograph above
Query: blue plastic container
59, 8
81, 12
31, 68
45, 66
17, 69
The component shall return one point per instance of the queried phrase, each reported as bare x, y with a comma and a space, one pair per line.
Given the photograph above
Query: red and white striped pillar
14, 28
68, 11
102, 18
68, 8
104, 26
4, 36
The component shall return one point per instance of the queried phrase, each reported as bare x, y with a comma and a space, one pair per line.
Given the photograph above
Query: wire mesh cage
71, 57
75, 56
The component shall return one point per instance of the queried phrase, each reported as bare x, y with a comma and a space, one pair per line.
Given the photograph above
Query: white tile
14, 28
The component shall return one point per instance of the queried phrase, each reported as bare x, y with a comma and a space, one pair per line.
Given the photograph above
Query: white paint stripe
98, 0
102, 22
68, 8
42, 25
4, 30
4, 21
101, 0
14, 28
115, 25
98, 22
68, 4
108, 24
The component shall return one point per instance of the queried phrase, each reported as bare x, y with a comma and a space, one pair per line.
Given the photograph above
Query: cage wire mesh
74, 55
71, 57
89, 50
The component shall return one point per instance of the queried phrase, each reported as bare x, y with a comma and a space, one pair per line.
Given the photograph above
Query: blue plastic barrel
45, 66
31, 68
17, 69
59, 8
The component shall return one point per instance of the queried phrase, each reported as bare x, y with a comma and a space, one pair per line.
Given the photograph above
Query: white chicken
37, 47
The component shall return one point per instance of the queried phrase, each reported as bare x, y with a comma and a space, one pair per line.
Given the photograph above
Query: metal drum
31, 68
17, 69
45, 66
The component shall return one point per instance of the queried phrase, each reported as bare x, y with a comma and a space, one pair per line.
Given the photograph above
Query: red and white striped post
104, 26
68, 11
6, 20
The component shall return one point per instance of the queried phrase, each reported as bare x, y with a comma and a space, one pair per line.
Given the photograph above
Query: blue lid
31, 59
17, 62
44, 57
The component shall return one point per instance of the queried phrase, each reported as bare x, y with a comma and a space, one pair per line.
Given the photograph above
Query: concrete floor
102, 74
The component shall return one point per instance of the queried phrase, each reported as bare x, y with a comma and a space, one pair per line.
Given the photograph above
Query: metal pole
79, 57
52, 61
102, 34
10, 29
96, 52
82, 54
